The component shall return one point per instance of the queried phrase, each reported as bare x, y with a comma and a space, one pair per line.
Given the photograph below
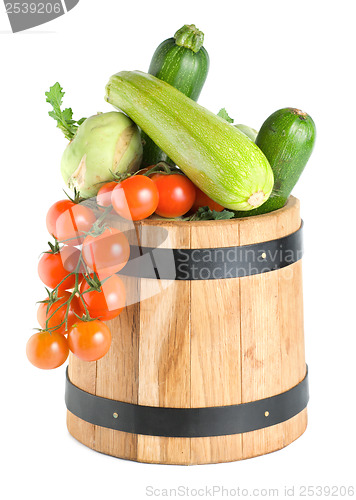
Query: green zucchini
183, 62
287, 139
224, 163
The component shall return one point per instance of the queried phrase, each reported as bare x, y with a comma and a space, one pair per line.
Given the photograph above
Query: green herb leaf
67, 115
223, 114
223, 215
63, 118
79, 122
204, 213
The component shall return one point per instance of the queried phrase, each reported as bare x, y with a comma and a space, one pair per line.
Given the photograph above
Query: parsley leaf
64, 118
223, 215
223, 114
204, 213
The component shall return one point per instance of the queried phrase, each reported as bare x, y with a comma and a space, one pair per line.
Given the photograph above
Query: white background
265, 55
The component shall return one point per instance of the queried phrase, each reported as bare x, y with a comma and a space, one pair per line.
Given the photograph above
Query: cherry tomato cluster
157, 189
83, 289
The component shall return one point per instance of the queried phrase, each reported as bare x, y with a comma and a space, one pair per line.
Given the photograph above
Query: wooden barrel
205, 368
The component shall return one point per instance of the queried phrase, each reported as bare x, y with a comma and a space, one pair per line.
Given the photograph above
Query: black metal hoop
187, 422
214, 263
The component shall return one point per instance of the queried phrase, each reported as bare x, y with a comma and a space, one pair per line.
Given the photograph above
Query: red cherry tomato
57, 313
109, 302
203, 200
54, 212
54, 267
176, 194
107, 253
68, 221
135, 198
47, 350
103, 198
89, 340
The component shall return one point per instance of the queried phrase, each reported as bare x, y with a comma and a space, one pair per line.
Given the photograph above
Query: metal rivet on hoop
264, 255
266, 413
115, 415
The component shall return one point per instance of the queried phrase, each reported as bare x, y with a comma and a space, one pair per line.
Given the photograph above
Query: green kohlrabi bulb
104, 143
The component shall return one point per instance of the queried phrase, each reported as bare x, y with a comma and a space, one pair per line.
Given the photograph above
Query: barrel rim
291, 203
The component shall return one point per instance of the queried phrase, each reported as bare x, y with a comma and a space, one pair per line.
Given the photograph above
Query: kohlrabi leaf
63, 118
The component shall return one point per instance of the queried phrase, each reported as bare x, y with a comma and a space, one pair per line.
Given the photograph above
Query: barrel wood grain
83, 375
202, 343
164, 349
269, 307
215, 344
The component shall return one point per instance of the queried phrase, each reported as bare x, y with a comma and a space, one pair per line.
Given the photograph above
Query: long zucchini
287, 139
183, 62
224, 163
